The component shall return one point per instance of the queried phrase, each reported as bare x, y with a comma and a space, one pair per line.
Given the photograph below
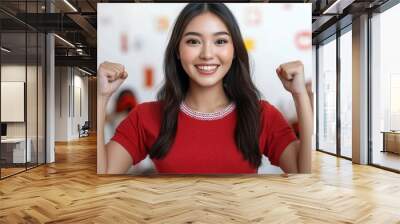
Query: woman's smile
207, 69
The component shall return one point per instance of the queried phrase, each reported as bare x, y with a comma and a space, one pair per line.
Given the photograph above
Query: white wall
80, 84
14, 73
70, 83
61, 103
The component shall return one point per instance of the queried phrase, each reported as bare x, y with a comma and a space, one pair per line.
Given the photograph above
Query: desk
13, 150
391, 141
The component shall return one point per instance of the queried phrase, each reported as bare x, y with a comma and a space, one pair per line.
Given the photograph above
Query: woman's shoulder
267, 109
147, 109
265, 105
146, 115
149, 106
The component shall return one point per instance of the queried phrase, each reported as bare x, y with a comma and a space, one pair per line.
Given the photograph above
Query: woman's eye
221, 41
192, 41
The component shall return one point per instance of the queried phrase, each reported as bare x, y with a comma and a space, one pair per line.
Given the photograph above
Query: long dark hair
238, 86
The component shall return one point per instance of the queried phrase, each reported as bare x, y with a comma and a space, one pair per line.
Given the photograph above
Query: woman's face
206, 50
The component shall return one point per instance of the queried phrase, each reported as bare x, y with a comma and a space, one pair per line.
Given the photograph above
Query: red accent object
163, 23
201, 146
126, 102
148, 80
303, 40
124, 42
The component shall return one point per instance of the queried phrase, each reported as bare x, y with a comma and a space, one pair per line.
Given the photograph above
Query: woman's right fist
110, 77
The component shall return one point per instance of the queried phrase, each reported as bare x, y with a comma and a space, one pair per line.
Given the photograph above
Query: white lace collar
207, 116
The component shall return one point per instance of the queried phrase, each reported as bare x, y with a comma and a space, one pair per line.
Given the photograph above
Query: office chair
84, 130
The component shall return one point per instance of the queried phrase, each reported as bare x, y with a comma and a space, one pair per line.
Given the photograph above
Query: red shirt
201, 146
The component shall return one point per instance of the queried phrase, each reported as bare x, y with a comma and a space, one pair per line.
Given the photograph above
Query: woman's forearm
101, 149
304, 114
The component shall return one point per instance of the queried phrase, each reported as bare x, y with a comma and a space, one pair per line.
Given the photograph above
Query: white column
50, 92
360, 90
50, 109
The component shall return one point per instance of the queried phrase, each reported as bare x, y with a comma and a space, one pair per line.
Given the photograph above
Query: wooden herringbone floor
69, 191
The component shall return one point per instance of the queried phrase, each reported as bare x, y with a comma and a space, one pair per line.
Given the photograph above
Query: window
346, 94
327, 97
385, 89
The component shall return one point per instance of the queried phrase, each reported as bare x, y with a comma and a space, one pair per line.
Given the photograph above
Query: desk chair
84, 130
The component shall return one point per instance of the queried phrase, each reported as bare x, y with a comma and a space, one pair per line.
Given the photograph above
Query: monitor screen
3, 129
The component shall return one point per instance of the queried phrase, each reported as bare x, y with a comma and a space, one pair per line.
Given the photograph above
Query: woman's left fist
292, 76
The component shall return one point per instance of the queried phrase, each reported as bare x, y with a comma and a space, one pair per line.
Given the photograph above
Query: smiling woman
208, 117
206, 51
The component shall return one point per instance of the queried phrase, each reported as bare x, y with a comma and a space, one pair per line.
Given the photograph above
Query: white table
18, 144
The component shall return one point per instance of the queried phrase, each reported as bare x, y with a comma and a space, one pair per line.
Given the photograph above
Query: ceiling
76, 22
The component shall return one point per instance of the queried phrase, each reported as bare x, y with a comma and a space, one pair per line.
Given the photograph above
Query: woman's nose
206, 52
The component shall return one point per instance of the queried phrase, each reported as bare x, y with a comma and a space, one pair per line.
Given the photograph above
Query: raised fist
110, 77
292, 76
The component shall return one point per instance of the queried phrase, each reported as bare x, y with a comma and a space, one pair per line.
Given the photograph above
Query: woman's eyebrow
199, 34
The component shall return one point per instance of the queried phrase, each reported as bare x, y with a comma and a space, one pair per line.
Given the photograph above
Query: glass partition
327, 97
346, 94
13, 95
385, 89
22, 88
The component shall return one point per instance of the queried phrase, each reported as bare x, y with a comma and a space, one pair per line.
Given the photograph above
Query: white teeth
207, 67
